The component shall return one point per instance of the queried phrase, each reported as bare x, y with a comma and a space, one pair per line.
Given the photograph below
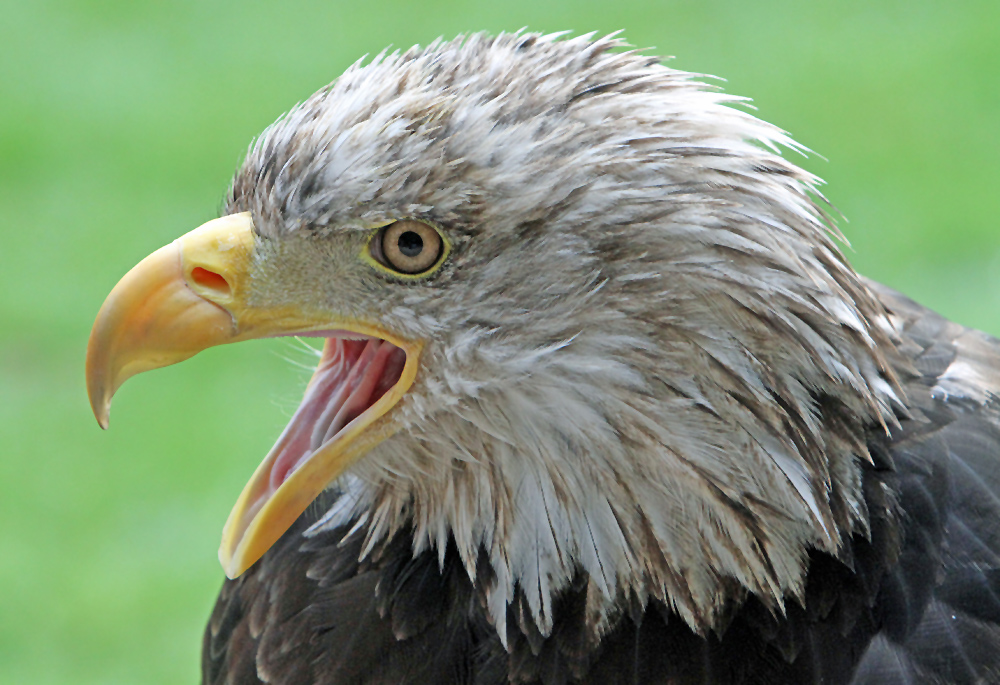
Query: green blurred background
120, 123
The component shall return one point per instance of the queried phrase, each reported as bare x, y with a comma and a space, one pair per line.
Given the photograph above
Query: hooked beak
196, 293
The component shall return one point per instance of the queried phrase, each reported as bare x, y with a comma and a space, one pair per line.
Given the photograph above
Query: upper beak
179, 300
193, 294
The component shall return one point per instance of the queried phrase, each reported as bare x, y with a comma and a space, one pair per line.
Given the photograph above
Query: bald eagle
600, 401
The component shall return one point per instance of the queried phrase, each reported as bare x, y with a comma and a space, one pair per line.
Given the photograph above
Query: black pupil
410, 244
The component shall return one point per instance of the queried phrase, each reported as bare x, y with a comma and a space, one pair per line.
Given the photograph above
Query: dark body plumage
917, 603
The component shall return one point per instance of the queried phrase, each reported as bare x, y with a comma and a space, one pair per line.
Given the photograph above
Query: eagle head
581, 320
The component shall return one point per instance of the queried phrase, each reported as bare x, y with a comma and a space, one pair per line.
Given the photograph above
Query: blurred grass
120, 123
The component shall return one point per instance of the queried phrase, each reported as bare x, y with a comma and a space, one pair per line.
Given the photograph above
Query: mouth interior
353, 374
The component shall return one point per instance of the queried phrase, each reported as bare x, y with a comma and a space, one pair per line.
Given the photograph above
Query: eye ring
407, 246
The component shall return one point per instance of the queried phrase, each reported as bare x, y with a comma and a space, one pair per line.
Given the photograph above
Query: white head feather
648, 361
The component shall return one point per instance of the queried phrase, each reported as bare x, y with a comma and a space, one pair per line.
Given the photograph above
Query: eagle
600, 399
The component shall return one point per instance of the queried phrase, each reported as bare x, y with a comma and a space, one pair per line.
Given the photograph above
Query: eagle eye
407, 247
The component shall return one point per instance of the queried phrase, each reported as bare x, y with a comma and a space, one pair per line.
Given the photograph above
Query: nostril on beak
211, 280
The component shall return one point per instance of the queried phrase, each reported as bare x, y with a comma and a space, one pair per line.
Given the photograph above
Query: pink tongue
352, 376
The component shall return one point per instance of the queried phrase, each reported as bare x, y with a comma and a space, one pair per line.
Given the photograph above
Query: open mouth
352, 376
359, 378
193, 294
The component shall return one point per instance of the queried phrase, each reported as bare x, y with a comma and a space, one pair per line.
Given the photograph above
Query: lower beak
193, 294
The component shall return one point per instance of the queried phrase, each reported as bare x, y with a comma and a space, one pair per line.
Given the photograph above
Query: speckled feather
657, 412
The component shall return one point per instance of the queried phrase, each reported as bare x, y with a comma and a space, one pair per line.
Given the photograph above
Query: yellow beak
193, 294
